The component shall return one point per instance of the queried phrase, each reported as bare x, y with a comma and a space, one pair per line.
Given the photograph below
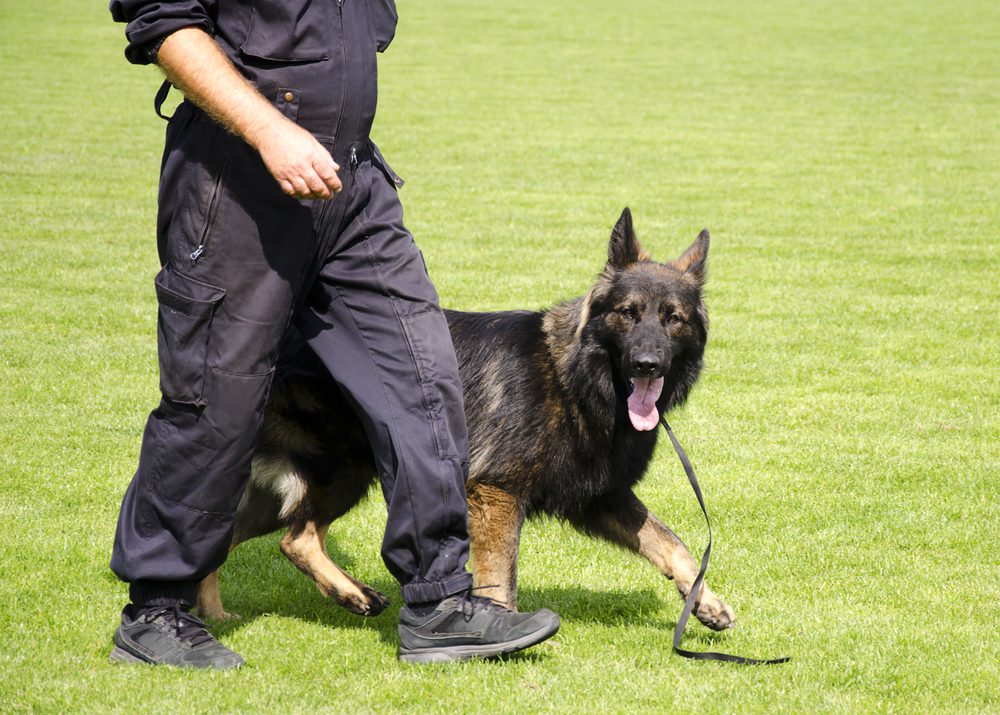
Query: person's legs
373, 318
235, 252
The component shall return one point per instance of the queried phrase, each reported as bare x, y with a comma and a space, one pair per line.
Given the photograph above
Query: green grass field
846, 157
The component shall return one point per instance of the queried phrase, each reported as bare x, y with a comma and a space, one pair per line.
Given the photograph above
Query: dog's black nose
645, 365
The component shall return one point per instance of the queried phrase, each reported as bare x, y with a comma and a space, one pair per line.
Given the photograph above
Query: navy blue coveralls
241, 260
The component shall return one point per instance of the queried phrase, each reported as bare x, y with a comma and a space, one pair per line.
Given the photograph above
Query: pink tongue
642, 403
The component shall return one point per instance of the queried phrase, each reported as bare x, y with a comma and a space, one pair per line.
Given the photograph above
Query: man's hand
301, 165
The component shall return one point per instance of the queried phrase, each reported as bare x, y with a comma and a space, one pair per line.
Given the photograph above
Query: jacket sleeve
150, 22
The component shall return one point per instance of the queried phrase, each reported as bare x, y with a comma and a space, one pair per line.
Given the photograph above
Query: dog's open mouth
642, 402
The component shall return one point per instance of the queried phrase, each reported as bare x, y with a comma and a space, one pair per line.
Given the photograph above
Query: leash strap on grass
696, 588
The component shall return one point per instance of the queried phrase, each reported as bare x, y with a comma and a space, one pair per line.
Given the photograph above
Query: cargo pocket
211, 450
437, 369
290, 31
383, 18
185, 318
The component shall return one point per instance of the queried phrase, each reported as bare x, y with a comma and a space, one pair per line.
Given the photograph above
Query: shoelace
469, 602
188, 628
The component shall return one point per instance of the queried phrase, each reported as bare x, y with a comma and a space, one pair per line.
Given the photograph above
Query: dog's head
650, 318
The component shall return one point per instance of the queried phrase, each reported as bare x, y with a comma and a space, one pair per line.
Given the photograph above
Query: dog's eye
627, 311
674, 319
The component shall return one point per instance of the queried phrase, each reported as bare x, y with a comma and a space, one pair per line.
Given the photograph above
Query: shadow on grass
626, 608
259, 581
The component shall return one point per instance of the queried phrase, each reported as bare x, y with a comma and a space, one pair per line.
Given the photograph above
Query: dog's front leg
628, 523
495, 519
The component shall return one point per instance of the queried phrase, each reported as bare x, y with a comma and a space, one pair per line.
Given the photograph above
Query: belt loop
161, 95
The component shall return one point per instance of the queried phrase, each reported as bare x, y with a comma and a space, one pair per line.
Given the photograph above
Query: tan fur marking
692, 257
279, 477
661, 547
210, 600
307, 550
494, 387
479, 457
495, 530
559, 323
585, 313
292, 489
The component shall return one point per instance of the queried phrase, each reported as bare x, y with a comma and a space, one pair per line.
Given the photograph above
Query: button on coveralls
241, 261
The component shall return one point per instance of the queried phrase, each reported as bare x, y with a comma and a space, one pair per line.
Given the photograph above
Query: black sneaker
467, 626
169, 635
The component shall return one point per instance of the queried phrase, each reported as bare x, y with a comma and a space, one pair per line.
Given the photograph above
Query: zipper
343, 84
213, 211
343, 54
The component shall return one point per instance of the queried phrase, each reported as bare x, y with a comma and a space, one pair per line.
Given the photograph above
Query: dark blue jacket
315, 59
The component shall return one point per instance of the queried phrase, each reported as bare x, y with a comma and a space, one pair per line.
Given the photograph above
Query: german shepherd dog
562, 408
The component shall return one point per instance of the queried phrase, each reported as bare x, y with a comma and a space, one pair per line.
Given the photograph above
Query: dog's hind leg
256, 514
627, 522
495, 519
209, 598
305, 546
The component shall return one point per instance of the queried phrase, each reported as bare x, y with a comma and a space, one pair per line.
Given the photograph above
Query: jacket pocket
210, 450
383, 16
186, 309
290, 31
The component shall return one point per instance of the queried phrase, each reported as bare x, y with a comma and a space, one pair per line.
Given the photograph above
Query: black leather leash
696, 587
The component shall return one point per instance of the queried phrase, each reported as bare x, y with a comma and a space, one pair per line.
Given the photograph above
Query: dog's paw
218, 614
712, 612
367, 602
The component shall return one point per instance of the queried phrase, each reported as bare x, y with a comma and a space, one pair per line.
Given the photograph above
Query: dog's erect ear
624, 248
693, 259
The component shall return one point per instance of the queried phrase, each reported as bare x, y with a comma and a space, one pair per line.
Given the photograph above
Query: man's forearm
194, 63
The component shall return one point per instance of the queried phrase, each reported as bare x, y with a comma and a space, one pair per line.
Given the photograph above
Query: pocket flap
289, 31
185, 295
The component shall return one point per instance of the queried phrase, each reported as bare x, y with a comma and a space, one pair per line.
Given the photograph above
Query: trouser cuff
163, 593
424, 592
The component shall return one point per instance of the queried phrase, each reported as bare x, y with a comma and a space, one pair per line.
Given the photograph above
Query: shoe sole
118, 655
451, 654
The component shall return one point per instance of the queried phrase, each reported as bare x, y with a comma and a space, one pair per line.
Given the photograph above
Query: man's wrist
257, 134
